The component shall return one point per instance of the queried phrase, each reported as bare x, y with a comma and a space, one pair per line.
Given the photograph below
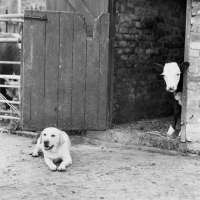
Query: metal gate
64, 72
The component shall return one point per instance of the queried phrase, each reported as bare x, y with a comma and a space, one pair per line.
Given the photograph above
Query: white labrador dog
55, 145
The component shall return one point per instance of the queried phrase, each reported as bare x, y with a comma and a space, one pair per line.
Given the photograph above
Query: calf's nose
171, 88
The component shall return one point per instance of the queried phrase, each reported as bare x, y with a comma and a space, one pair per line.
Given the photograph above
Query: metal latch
36, 17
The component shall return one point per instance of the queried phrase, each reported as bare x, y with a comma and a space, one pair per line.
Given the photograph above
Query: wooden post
185, 74
112, 10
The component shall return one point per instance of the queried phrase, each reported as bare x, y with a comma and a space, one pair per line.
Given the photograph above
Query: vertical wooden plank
65, 70
69, 7
93, 6
103, 75
79, 63
26, 72
92, 74
79, 6
61, 5
51, 4
51, 68
37, 74
185, 74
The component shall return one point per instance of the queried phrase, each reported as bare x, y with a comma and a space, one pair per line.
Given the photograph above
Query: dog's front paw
53, 168
61, 168
35, 154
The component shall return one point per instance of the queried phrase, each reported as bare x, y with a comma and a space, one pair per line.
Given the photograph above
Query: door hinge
35, 17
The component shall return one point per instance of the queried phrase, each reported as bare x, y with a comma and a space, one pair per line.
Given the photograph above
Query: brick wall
147, 32
193, 100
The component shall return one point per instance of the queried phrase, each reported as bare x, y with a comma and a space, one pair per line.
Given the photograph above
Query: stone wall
147, 32
193, 99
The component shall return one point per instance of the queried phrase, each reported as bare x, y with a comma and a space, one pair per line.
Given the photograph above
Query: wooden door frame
112, 11
185, 74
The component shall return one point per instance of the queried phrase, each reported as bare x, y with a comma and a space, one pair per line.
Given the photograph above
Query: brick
195, 20
196, 10
193, 70
194, 53
193, 61
192, 132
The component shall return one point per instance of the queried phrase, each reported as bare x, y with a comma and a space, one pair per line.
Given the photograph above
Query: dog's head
51, 138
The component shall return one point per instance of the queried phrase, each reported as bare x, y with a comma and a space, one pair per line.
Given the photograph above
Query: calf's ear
184, 66
159, 65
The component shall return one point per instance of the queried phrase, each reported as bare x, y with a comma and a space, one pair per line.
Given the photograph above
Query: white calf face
171, 74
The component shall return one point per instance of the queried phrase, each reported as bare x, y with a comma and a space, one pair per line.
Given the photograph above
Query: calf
9, 52
173, 76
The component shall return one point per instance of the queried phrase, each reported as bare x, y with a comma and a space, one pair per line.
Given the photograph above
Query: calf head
172, 74
13, 93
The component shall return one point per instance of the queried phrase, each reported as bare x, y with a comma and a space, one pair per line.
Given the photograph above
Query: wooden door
64, 73
90, 9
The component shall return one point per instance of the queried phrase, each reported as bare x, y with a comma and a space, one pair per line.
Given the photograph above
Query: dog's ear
184, 66
61, 138
40, 138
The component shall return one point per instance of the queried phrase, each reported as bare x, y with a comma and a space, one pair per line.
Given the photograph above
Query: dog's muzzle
48, 148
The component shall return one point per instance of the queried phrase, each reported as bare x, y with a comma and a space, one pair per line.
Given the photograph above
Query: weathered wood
65, 70
37, 73
51, 68
61, 5
92, 75
185, 74
104, 6
69, 7
66, 81
103, 75
112, 11
26, 72
51, 4
79, 6
93, 7
79, 64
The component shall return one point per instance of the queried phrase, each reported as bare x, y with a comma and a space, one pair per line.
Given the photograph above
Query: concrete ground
100, 170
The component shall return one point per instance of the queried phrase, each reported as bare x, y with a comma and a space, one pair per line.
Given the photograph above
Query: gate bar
8, 117
7, 111
10, 76
10, 40
9, 86
6, 101
12, 20
10, 63
12, 16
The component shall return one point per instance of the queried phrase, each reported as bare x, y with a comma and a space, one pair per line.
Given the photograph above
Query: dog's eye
44, 134
52, 135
